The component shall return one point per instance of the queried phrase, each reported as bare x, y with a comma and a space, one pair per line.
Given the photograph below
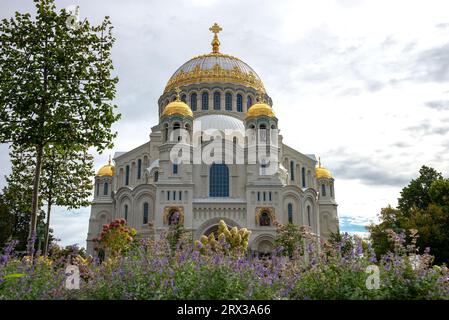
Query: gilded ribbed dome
260, 109
215, 67
179, 108
321, 172
106, 170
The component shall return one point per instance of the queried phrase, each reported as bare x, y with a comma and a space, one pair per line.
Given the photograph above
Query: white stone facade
145, 180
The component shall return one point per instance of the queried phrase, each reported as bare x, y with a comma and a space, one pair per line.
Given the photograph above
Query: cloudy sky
363, 84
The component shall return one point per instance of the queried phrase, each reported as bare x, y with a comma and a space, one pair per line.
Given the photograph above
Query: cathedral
216, 154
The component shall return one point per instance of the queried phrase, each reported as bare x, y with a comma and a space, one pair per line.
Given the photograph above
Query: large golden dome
260, 109
321, 172
215, 67
177, 107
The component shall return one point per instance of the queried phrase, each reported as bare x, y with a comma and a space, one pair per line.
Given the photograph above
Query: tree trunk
47, 227
35, 199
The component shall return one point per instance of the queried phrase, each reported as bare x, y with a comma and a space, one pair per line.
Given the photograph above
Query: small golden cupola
321, 172
177, 107
106, 170
260, 108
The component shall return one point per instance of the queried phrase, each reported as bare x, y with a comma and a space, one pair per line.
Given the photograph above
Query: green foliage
289, 238
416, 194
56, 86
6, 222
65, 178
115, 238
424, 207
17, 212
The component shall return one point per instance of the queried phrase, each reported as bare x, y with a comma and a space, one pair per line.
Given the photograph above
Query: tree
389, 218
416, 194
290, 238
423, 206
56, 85
6, 222
432, 224
65, 178
17, 206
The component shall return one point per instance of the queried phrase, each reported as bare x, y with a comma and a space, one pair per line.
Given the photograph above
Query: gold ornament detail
260, 210
170, 209
215, 74
215, 29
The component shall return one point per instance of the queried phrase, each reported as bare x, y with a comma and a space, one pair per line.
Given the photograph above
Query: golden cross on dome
109, 160
319, 162
178, 91
215, 42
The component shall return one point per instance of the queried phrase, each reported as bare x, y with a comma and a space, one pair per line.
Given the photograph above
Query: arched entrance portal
263, 246
214, 230
264, 249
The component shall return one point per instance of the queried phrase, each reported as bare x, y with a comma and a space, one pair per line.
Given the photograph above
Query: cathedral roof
260, 109
215, 67
177, 107
321, 172
106, 170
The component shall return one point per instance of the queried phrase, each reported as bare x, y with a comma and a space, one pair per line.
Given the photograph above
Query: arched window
127, 175
180, 195
156, 176
139, 168
219, 180
193, 101
145, 212
228, 101
126, 212
309, 220
105, 188
258, 195
332, 190
263, 132
98, 188
176, 131
249, 102
168, 195
165, 132
303, 177
175, 168
239, 103
205, 101
292, 171
323, 190
184, 98
269, 196
290, 213
264, 219
217, 100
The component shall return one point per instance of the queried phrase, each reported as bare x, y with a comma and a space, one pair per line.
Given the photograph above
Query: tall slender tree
56, 85
65, 178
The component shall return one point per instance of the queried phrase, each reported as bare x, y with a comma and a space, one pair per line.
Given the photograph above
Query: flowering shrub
234, 240
115, 237
150, 270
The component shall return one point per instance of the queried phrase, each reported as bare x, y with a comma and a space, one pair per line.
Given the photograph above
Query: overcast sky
363, 84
